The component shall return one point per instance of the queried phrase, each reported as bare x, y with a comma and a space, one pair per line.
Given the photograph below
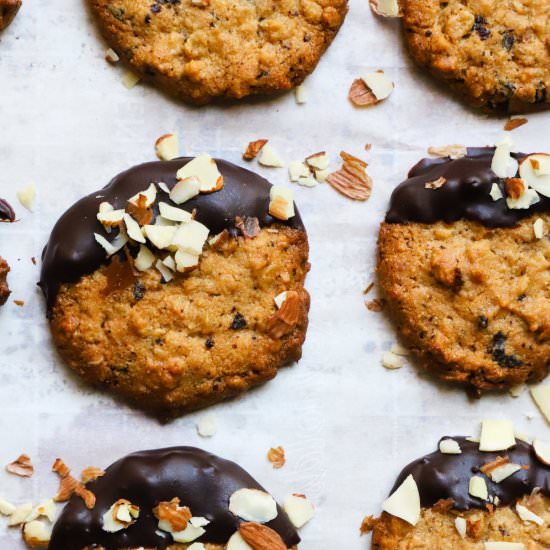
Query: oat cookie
451, 518
8, 11
466, 274
4, 288
495, 53
182, 314
199, 50
149, 481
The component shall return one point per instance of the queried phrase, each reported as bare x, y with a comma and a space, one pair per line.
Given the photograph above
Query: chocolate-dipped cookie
179, 284
173, 498
464, 262
494, 53
460, 497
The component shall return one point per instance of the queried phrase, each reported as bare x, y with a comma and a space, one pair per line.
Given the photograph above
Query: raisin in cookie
464, 262
169, 499
182, 292
495, 53
199, 50
462, 498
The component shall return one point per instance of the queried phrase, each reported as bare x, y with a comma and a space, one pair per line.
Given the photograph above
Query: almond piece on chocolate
260, 537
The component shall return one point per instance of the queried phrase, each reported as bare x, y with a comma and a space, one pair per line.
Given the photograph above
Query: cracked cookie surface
494, 53
203, 49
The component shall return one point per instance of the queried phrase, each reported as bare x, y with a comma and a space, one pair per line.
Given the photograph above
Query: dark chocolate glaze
72, 251
442, 476
465, 194
202, 481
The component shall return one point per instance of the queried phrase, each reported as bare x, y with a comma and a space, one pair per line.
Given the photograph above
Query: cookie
199, 50
8, 11
496, 54
199, 311
4, 288
441, 512
204, 483
465, 275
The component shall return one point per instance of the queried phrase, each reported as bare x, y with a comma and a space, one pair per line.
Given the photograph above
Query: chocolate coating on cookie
72, 251
203, 482
442, 476
465, 195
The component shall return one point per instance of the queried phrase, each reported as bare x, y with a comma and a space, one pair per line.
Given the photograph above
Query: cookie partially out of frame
451, 518
195, 335
199, 50
203, 483
466, 277
496, 54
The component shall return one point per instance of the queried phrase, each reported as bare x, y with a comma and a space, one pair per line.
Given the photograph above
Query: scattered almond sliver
513, 123
452, 151
21, 467
386, 8
167, 147
352, 179
253, 148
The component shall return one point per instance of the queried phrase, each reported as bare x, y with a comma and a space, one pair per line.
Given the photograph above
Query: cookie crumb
367, 525
513, 123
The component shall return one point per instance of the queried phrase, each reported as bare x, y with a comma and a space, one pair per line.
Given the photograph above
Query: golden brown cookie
467, 278
173, 497
449, 517
221, 315
495, 53
199, 50
8, 11
4, 288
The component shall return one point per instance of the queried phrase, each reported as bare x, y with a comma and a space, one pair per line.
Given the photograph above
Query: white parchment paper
348, 425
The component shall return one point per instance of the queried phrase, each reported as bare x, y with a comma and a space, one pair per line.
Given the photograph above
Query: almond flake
516, 391
496, 435
120, 516
203, 168
503, 472
20, 514
253, 148
318, 161
541, 396
496, 193
111, 247
253, 505
404, 502
513, 123
300, 93
448, 151
299, 509
27, 196
449, 447
284, 320
133, 230
186, 261
167, 275
261, 537
392, 361
360, 94
6, 508
526, 515
91, 474
269, 157
386, 8
542, 451
130, 79
167, 147
276, 455
460, 526
352, 179
535, 171
190, 237
538, 228
236, 542
503, 164
177, 516
297, 170
161, 236
37, 534
22, 466
281, 202
111, 56
207, 426
436, 184
379, 84
144, 259
185, 190
478, 488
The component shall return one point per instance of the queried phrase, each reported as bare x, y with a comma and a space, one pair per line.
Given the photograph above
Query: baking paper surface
347, 424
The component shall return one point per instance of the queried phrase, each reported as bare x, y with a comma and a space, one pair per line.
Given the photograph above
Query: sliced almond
352, 179
91, 473
496, 435
186, 261
538, 228
27, 196
276, 455
167, 147
284, 320
108, 216
392, 361
503, 164
542, 451
404, 503
515, 187
166, 273
236, 542
281, 203
299, 510
526, 515
448, 151
20, 514
111, 56
461, 526
160, 236
261, 537
120, 516
360, 94
144, 259
185, 190
300, 93
21, 466
503, 472
253, 505
386, 8
541, 396
436, 184
177, 516
207, 426
130, 79
318, 161
477, 487
270, 157
380, 85
145, 198
513, 123
297, 170
205, 169
535, 171
253, 148
190, 237
526, 200
37, 534
449, 447
496, 193
6, 508
133, 229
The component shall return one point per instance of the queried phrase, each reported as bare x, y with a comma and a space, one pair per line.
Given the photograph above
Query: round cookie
212, 331
442, 482
199, 50
496, 54
466, 279
201, 481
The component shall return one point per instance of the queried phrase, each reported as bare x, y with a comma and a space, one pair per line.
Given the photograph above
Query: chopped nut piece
20, 514
297, 170
526, 515
281, 203
167, 147
21, 467
392, 361
236, 542
299, 509
436, 184
285, 318
352, 179
249, 227
177, 516
496, 435
404, 503
379, 84
513, 123
145, 259
120, 516
27, 195
253, 148
300, 93
542, 451
538, 228
376, 304
111, 247
496, 193
367, 525
203, 168
253, 505
460, 526
69, 485
260, 537
185, 189
37, 534
276, 455
6, 508
269, 157
449, 447
386, 8
111, 56
318, 161
91, 474
541, 396
503, 164
515, 187
130, 79
452, 151
478, 488
207, 426
360, 94
494, 464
